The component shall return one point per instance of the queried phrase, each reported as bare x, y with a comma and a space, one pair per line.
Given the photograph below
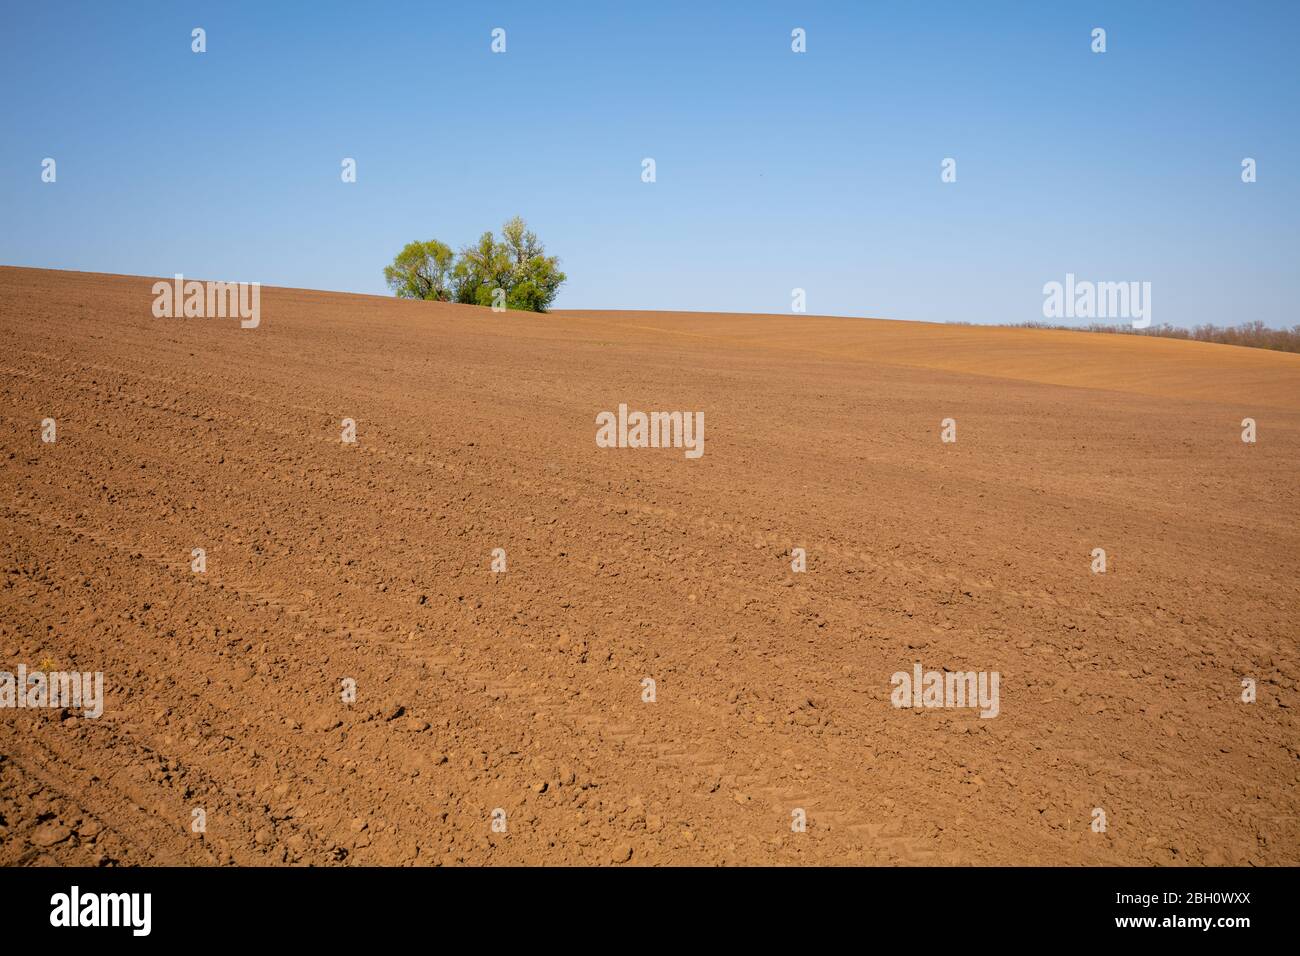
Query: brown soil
523, 691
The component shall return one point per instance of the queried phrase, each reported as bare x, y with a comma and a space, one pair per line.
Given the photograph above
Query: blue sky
775, 170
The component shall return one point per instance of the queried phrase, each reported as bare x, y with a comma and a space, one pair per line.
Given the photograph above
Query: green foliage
518, 265
422, 270
480, 269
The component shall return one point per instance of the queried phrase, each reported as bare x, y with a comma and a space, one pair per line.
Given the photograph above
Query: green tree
479, 270
534, 277
534, 284
422, 270
518, 265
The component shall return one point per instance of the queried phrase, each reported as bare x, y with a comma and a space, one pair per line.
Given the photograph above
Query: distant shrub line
1253, 335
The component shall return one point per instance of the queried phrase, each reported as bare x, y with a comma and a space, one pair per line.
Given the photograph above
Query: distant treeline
1253, 335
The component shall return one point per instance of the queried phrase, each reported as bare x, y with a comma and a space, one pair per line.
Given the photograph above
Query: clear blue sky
775, 170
